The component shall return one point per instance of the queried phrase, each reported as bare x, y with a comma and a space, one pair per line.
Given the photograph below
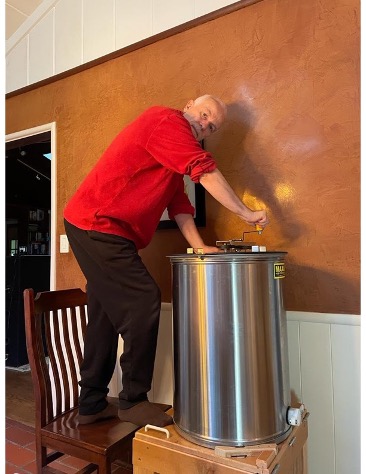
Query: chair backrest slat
50, 386
77, 336
54, 349
69, 375
55, 327
41, 327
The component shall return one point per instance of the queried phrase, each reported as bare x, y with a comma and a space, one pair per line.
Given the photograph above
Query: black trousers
123, 299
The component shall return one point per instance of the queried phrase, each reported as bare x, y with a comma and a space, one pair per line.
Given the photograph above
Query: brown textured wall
290, 72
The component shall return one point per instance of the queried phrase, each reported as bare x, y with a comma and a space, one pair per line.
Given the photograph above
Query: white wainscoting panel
324, 367
325, 370
163, 379
317, 395
293, 332
346, 349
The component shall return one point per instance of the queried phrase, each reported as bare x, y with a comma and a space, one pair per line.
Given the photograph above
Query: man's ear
189, 105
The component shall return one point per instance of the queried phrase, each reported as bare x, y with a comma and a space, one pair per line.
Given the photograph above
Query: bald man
112, 215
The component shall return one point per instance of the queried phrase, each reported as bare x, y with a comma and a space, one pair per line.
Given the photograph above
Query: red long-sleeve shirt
139, 176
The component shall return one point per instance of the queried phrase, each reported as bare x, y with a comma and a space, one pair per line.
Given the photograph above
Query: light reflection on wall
284, 192
253, 202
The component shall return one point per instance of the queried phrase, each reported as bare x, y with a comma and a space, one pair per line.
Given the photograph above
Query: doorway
30, 166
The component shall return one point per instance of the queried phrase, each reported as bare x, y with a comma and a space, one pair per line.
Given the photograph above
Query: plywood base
155, 453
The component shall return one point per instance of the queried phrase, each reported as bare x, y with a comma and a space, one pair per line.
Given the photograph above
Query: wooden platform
155, 453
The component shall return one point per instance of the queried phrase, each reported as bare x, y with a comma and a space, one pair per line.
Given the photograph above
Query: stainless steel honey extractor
231, 381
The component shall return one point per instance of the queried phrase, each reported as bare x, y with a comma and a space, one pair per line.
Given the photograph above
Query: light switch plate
64, 244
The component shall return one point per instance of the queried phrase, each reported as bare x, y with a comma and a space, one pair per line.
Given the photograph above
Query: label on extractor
279, 270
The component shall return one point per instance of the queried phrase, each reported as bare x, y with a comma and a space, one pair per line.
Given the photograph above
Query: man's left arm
190, 232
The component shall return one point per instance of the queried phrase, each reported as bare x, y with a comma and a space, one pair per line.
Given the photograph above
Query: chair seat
101, 437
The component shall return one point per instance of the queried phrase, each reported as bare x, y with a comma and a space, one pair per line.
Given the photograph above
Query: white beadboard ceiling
16, 12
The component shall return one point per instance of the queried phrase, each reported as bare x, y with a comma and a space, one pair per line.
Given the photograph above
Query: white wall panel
99, 29
163, 380
17, 66
41, 50
68, 35
346, 356
202, 7
115, 385
133, 21
167, 14
316, 375
293, 332
84, 30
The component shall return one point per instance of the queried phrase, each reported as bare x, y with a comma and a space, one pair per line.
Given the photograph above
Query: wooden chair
55, 323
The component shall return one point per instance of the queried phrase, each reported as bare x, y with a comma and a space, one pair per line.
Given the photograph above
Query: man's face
204, 117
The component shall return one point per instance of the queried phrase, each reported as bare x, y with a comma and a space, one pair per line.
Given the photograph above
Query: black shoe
145, 413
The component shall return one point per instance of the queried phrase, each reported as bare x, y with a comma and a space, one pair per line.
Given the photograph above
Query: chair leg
41, 456
104, 466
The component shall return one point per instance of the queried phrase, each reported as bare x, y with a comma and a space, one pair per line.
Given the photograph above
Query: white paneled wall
163, 382
99, 25
325, 374
134, 21
17, 66
165, 17
40, 56
317, 390
68, 39
63, 34
346, 369
324, 356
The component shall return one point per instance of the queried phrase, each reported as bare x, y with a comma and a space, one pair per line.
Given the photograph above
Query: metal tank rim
227, 257
212, 443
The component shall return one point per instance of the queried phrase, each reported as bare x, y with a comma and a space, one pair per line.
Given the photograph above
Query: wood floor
19, 397
20, 439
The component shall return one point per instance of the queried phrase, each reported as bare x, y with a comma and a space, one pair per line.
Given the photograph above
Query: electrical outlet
64, 244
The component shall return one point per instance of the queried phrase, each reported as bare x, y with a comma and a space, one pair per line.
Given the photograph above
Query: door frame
48, 127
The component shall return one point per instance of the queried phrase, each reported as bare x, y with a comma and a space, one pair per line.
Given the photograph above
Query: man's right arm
215, 183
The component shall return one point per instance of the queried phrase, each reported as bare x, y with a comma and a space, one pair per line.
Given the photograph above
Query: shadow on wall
328, 292
252, 173
255, 177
